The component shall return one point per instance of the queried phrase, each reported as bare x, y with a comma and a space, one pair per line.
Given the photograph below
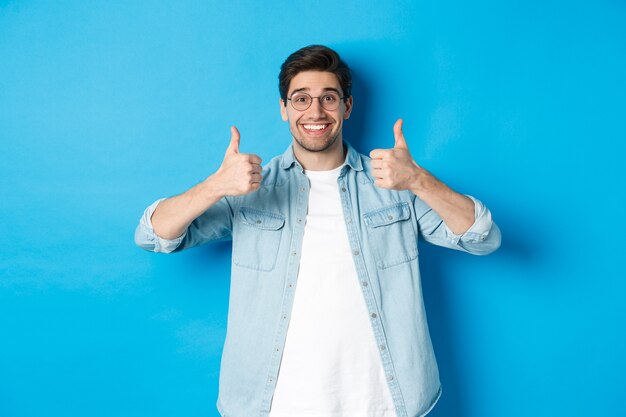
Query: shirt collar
353, 160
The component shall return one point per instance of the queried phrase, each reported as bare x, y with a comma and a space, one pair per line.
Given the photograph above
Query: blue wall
106, 106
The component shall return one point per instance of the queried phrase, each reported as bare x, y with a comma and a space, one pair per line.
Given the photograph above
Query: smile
315, 127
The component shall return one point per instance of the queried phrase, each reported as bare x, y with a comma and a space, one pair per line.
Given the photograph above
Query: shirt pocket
391, 235
256, 244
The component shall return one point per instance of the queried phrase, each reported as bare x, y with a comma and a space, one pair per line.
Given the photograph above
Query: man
326, 316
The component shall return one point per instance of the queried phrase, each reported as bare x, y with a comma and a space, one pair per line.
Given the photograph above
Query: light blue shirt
267, 228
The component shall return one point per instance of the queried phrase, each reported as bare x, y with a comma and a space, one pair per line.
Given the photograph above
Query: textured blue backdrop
106, 106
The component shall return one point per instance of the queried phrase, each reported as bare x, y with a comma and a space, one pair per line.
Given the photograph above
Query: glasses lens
330, 101
301, 101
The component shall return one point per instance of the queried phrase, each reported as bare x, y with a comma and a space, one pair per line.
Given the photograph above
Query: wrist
423, 182
210, 188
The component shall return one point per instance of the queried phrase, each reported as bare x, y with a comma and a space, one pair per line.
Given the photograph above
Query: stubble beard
314, 145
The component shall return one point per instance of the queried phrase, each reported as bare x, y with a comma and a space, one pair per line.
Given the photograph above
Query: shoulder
366, 175
272, 172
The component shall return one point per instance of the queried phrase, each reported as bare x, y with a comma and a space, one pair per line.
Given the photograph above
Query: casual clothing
330, 365
267, 229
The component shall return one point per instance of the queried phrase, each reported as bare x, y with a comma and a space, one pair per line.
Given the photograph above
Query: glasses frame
319, 99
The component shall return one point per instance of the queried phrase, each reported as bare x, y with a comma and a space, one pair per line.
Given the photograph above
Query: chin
316, 146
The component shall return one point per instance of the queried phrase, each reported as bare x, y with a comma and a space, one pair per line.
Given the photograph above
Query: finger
378, 153
380, 183
254, 159
378, 173
379, 164
256, 168
233, 147
399, 135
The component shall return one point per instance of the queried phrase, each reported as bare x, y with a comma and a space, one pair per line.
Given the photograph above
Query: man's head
314, 58
317, 84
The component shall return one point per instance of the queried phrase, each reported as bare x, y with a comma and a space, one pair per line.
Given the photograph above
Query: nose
316, 109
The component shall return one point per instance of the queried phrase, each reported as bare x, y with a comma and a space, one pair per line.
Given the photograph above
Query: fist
394, 168
239, 173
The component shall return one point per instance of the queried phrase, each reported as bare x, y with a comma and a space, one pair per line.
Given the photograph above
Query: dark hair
314, 58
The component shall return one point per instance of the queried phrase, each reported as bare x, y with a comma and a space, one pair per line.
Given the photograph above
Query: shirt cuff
478, 231
158, 243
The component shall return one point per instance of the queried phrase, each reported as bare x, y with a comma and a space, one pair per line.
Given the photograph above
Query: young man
326, 316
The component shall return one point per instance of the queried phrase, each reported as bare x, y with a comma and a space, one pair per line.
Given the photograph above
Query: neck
326, 160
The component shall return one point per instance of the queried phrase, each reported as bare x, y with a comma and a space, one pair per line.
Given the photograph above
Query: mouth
315, 128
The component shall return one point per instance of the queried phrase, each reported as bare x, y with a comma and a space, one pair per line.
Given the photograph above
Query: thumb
397, 133
233, 147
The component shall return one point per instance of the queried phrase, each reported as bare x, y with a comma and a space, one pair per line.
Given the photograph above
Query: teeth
315, 127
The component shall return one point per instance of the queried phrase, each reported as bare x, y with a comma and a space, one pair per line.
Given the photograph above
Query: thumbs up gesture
395, 168
239, 173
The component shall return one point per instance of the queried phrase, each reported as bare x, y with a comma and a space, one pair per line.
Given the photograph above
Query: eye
330, 98
300, 99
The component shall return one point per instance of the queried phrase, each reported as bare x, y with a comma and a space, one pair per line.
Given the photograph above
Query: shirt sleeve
482, 238
214, 224
146, 238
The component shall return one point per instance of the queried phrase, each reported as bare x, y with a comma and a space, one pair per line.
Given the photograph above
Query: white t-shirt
330, 365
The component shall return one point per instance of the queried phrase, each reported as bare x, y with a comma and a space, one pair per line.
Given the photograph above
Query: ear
283, 110
348, 103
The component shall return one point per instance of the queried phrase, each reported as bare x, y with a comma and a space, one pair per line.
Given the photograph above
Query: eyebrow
308, 89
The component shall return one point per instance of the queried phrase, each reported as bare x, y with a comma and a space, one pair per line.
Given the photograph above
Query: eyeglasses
302, 101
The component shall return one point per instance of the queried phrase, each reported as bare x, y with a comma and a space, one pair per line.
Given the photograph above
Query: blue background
107, 106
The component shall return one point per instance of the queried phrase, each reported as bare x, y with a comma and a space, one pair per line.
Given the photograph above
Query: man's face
316, 129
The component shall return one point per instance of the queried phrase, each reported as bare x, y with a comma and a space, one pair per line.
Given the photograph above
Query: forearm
456, 210
174, 215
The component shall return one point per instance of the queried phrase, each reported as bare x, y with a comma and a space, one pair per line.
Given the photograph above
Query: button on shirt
330, 365
267, 229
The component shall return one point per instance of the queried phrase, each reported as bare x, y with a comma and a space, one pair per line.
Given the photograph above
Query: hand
395, 168
239, 173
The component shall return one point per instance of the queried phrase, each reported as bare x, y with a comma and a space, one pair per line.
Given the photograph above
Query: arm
456, 210
169, 219
482, 237
173, 215
445, 216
